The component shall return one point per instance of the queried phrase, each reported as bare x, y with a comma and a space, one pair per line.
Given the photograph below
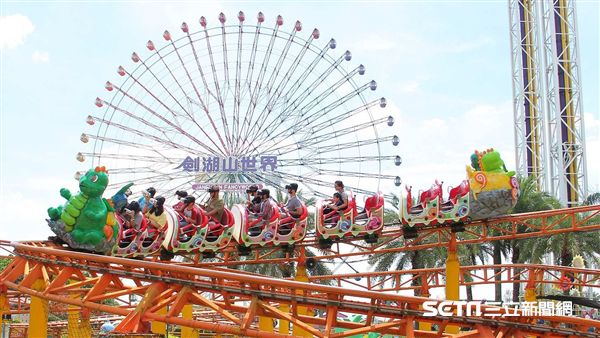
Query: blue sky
443, 66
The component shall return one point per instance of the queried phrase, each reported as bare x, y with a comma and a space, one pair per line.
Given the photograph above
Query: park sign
217, 164
240, 187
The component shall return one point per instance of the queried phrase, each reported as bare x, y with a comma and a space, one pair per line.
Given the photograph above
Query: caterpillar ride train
89, 222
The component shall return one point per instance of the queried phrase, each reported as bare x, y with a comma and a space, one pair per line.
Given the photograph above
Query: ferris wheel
239, 104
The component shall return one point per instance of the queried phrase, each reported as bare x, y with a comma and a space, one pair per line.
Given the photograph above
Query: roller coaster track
239, 300
533, 274
518, 226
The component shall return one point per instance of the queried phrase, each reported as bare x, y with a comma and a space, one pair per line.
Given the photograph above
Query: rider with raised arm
147, 199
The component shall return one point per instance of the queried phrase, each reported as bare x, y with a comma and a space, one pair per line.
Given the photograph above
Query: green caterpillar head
492, 162
94, 182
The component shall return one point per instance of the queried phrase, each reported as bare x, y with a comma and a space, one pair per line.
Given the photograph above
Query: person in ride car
215, 206
157, 218
253, 200
134, 221
339, 187
147, 199
181, 195
294, 205
336, 203
191, 217
267, 207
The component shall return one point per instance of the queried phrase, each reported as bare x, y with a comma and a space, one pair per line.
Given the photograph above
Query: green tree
4, 261
530, 199
563, 247
592, 199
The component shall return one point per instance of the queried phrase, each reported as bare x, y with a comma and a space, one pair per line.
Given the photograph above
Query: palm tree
530, 199
592, 199
563, 247
469, 255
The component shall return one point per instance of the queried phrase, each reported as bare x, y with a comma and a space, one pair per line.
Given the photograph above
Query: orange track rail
228, 293
536, 274
518, 226
225, 292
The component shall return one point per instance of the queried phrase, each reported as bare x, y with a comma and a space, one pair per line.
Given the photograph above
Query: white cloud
26, 218
440, 147
13, 30
372, 43
39, 57
411, 87
464, 46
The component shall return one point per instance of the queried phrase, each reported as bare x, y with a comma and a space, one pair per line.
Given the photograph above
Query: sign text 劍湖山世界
215, 164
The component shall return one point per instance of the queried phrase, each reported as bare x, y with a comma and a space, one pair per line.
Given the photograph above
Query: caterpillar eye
94, 178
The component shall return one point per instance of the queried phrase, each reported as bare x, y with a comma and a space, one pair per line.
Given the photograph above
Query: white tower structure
549, 129
568, 176
529, 121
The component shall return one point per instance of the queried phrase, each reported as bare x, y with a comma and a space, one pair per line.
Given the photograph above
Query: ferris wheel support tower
559, 94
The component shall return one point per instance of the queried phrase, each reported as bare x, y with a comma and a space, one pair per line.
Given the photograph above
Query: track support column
4, 307
265, 324
78, 322
38, 312
301, 310
452, 278
530, 294
188, 313
424, 326
160, 327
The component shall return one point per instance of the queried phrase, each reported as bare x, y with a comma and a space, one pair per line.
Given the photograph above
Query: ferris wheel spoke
276, 94
323, 149
310, 70
238, 74
188, 113
322, 134
145, 135
331, 160
311, 67
158, 115
224, 39
119, 142
258, 83
340, 101
137, 157
202, 104
268, 92
218, 91
292, 108
250, 70
314, 122
154, 126
296, 101
345, 173
206, 87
